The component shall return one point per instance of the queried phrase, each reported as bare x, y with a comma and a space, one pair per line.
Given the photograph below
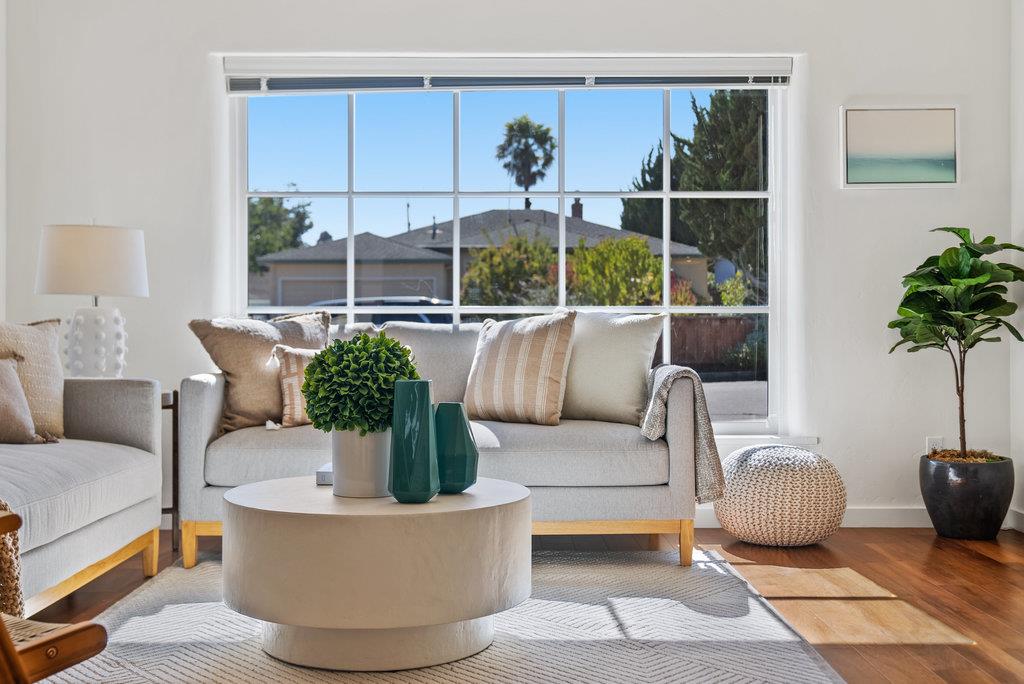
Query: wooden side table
169, 401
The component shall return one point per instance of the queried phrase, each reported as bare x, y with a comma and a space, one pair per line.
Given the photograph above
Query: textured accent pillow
518, 372
292, 372
16, 426
243, 349
611, 358
37, 345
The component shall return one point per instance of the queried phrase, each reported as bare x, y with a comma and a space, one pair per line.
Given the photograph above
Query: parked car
379, 318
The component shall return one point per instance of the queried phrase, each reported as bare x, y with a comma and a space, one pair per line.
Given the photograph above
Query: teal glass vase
457, 453
413, 476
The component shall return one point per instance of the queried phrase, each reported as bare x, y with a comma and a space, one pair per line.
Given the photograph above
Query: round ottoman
778, 495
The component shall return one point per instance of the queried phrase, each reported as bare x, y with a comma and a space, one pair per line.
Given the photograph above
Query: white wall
1016, 517
117, 113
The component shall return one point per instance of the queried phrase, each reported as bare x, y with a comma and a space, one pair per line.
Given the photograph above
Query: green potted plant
350, 393
953, 302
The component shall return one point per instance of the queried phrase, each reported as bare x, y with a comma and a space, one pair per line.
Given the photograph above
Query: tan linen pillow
518, 372
611, 358
292, 373
16, 426
37, 346
243, 349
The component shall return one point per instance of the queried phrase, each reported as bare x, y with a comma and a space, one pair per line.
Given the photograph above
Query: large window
459, 205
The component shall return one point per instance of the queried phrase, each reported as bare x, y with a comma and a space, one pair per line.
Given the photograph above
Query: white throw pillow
611, 357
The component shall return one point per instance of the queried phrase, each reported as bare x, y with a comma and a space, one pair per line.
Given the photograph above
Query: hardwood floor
881, 605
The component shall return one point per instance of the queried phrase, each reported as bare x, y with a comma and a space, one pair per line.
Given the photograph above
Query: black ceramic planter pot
966, 500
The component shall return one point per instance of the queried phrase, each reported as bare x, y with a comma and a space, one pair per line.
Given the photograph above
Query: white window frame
775, 194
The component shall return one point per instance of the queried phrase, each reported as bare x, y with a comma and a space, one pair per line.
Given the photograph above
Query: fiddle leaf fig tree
956, 300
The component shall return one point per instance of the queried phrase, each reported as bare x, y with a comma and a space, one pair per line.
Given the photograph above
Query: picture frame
898, 147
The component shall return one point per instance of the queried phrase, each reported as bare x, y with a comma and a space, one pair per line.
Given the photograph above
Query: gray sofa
584, 476
91, 500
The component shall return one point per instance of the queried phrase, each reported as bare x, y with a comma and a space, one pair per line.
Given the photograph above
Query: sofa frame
202, 400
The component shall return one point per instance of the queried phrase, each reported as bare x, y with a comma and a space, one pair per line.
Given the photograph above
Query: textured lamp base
376, 650
96, 343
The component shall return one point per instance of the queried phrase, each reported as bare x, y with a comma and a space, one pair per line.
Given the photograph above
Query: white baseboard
1014, 520
875, 516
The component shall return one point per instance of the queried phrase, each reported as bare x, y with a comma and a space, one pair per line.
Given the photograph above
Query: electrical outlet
933, 444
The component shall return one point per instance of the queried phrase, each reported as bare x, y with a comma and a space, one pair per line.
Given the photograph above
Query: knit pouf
778, 495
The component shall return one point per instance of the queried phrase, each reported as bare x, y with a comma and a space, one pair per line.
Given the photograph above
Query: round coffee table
372, 584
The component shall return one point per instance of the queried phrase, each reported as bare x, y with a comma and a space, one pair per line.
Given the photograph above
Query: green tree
527, 152
274, 226
517, 272
614, 272
727, 151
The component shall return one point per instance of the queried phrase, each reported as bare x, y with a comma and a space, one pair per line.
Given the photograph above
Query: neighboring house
418, 262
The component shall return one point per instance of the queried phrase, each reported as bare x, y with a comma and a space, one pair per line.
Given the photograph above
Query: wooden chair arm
9, 521
61, 648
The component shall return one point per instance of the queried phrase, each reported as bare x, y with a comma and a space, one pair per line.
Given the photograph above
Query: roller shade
270, 75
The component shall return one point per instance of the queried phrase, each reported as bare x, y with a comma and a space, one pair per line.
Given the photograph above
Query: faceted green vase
456, 449
413, 477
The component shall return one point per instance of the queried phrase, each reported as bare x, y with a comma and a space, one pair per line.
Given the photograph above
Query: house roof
434, 243
368, 247
495, 226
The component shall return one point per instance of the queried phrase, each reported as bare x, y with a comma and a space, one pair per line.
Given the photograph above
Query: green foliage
615, 272
682, 293
527, 151
733, 292
955, 301
752, 353
522, 270
350, 385
273, 227
728, 151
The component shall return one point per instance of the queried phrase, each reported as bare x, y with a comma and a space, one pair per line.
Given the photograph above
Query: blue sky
403, 142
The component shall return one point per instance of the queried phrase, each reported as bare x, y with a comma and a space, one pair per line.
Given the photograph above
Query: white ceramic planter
361, 463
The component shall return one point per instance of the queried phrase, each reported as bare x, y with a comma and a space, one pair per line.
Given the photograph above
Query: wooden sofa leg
189, 543
151, 554
686, 543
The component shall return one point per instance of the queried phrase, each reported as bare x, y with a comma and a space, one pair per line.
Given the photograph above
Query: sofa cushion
256, 454
59, 488
575, 453
441, 353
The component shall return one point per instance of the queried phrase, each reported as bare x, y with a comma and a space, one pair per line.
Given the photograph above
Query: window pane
509, 253
731, 355
609, 136
297, 251
719, 140
403, 251
613, 252
490, 118
298, 143
731, 236
403, 141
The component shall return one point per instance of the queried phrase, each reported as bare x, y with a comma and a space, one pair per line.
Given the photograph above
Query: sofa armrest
679, 433
201, 403
116, 410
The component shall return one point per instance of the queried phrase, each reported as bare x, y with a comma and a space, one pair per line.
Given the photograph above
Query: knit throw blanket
710, 481
11, 601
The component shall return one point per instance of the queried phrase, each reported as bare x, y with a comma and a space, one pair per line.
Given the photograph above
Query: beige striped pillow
518, 373
292, 372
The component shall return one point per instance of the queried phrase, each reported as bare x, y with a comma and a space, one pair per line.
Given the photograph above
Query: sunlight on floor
841, 606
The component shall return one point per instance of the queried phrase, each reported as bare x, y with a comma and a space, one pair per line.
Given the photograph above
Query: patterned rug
593, 617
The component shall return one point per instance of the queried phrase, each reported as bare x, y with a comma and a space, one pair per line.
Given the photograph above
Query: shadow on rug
610, 617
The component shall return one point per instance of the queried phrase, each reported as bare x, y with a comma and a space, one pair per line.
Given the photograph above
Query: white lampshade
92, 260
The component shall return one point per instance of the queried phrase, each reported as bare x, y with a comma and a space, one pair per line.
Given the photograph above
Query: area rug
593, 617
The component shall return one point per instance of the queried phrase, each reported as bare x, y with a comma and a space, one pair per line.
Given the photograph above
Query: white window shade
250, 75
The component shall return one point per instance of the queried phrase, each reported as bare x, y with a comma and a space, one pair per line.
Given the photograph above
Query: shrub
350, 385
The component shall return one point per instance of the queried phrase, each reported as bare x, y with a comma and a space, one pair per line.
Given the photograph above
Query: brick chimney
577, 208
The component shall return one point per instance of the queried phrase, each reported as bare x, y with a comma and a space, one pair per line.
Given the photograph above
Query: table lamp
101, 261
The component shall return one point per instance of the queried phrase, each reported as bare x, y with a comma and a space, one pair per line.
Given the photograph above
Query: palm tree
527, 150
